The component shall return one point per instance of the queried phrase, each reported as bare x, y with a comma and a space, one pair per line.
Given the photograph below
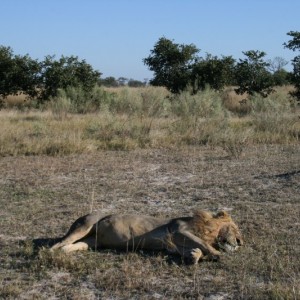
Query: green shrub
61, 105
76, 100
204, 104
272, 118
277, 102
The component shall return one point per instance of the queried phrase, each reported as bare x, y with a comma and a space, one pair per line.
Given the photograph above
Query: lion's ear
222, 214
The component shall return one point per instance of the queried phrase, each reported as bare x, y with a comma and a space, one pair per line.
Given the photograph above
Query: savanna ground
57, 167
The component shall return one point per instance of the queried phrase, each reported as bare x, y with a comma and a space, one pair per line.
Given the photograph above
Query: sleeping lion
200, 236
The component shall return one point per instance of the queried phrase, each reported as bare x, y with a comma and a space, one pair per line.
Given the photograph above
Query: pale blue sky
115, 35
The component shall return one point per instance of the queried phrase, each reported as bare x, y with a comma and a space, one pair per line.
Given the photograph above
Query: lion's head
229, 237
218, 230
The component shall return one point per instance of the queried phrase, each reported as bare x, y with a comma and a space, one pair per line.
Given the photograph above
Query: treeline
42, 80
179, 66
122, 81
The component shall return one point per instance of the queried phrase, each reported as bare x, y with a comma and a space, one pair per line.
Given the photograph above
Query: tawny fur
192, 237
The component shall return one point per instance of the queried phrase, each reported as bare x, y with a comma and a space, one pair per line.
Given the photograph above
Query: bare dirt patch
40, 196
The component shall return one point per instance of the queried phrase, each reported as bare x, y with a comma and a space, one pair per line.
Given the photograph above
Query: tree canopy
178, 66
18, 73
252, 75
294, 45
43, 79
172, 64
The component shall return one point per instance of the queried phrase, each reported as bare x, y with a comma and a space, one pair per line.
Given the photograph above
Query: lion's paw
196, 255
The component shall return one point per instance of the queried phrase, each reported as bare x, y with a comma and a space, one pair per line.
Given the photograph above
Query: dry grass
60, 132
40, 196
57, 166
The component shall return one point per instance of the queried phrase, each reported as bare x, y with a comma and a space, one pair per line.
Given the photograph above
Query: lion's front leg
190, 255
192, 247
196, 254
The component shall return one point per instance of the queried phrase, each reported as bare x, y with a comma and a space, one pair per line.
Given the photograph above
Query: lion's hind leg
79, 246
82, 245
72, 237
80, 229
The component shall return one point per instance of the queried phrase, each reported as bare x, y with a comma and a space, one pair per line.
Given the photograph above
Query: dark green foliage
172, 64
42, 80
78, 100
294, 44
296, 77
122, 81
282, 77
213, 71
66, 72
135, 83
177, 66
252, 75
18, 73
109, 82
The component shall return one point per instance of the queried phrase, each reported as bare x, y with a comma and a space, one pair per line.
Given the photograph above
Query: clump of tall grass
273, 118
236, 103
61, 105
147, 101
204, 104
77, 100
119, 132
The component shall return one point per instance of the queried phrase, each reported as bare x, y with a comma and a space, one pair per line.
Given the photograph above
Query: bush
64, 73
272, 118
77, 100
252, 75
204, 104
61, 105
278, 103
147, 101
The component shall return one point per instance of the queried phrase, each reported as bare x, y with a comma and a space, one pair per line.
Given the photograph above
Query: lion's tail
79, 229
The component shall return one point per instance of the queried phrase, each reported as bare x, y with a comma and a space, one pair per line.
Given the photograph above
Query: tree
252, 75
66, 72
172, 64
276, 67
122, 81
213, 71
135, 83
276, 64
294, 44
109, 81
282, 77
18, 74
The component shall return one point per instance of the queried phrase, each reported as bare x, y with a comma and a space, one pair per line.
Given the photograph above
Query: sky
115, 35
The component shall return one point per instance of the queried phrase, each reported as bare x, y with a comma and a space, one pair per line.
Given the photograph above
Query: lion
196, 237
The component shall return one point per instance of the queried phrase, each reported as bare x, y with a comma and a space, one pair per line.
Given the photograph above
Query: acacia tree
172, 64
252, 76
294, 44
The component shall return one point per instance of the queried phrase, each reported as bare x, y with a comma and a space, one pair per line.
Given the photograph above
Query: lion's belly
130, 231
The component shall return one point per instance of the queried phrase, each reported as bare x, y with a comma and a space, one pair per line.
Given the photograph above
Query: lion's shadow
41, 243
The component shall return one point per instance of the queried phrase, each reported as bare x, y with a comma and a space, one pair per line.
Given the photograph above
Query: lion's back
117, 230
